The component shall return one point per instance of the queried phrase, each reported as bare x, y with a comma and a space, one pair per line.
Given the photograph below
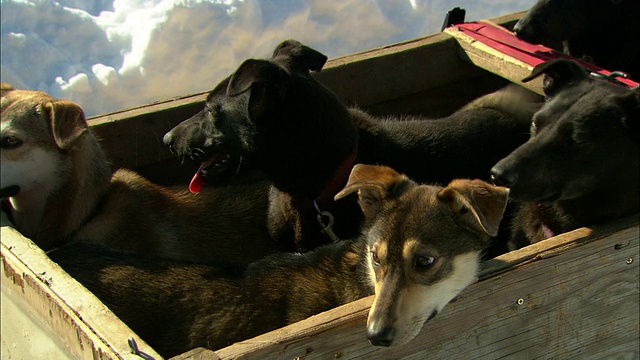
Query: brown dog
420, 248
57, 187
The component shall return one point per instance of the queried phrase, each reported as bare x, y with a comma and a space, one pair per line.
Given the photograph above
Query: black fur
581, 165
604, 32
299, 133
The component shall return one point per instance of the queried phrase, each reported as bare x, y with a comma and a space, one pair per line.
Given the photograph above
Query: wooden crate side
485, 57
572, 296
80, 320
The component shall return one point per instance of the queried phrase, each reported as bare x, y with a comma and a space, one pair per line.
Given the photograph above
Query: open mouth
214, 169
9, 191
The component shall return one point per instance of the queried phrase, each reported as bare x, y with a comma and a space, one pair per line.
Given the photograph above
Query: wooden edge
355, 314
494, 61
88, 328
345, 315
558, 243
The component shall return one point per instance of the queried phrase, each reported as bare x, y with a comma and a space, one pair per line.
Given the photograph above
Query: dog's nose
167, 139
503, 177
381, 337
517, 28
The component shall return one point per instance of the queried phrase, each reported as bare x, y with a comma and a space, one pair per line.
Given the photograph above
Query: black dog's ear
261, 77
373, 184
478, 205
299, 58
558, 74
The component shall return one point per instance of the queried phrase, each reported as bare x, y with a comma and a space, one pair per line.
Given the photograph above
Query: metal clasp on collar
327, 227
612, 76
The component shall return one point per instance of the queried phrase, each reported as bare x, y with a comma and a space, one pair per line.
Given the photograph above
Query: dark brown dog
275, 116
604, 32
581, 165
420, 248
58, 187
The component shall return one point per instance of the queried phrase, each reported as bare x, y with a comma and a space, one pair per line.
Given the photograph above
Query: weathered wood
87, 327
577, 296
494, 61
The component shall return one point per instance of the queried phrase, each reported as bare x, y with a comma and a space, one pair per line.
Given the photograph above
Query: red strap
339, 179
503, 40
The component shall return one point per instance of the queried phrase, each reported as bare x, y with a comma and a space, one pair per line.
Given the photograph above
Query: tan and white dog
425, 246
57, 186
420, 248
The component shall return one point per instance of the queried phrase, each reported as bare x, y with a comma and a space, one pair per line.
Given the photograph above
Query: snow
110, 55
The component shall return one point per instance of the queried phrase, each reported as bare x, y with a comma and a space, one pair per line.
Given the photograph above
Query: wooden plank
82, 322
494, 61
577, 297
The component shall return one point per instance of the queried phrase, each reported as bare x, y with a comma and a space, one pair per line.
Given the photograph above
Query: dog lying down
581, 165
57, 187
275, 116
419, 249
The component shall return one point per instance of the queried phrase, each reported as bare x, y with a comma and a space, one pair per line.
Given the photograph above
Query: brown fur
176, 306
79, 200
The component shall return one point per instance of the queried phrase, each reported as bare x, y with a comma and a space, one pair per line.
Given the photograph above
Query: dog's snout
524, 30
168, 139
517, 28
381, 336
503, 177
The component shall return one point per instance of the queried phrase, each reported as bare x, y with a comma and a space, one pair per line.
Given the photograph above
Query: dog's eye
424, 262
375, 258
11, 142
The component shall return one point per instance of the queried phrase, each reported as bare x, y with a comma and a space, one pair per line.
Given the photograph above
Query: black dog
274, 115
580, 166
604, 32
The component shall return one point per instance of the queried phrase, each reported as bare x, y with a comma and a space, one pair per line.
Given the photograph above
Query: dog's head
423, 244
549, 22
233, 126
584, 139
36, 130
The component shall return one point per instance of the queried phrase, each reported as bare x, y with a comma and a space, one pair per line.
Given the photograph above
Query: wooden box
575, 295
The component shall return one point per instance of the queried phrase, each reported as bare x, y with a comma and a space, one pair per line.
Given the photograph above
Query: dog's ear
373, 184
478, 205
67, 122
558, 74
298, 57
262, 78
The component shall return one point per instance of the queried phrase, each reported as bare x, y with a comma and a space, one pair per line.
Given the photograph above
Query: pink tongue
196, 183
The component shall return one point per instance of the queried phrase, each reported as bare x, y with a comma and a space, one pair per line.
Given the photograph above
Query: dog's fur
580, 166
58, 187
604, 32
420, 248
276, 116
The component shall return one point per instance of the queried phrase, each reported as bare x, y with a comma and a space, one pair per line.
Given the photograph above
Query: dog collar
339, 178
